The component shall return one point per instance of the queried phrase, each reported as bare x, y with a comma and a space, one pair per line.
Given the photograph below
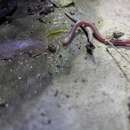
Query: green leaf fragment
56, 32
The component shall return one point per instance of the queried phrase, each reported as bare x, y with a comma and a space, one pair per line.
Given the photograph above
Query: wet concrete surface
66, 89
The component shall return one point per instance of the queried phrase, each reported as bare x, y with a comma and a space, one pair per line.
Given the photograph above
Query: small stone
30, 11
21, 63
41, 20
85, 57
49, 121
67, 96
38, 75
35, 92
3, 103
19, 77
6, 105
117, 35
69, 108
56, 93
10, 60
42, 114
60, 56
58, 66
104, 93
72, 12
50, 73
83, 80
99, 21
75, 80
11, 70
52, 48
58, 105
129, 116
43, 12
46, 121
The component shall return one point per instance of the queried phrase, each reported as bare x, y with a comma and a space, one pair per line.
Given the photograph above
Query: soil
65, 88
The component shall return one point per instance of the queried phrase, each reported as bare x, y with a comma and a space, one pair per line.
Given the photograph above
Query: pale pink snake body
96, 34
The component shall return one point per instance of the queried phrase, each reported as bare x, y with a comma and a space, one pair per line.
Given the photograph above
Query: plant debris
56, 32
64, 3
52, 48
117, 35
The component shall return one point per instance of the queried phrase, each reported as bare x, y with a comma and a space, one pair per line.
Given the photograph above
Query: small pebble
117, 35
52, 48
10, 60
41, 20
58, 105
75, 80
11, 70
3, 103
6, 105
49, 121
46, 121
42, 114
129, 116
38, 75
83, 80
56, 93
72, 12
60, 56
19, 78
35, 92
67, 96
58, 66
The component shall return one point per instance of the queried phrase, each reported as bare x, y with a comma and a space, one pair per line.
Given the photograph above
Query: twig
75, 20
115, 48
88, 33
117, 63
54, 4
89, 41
